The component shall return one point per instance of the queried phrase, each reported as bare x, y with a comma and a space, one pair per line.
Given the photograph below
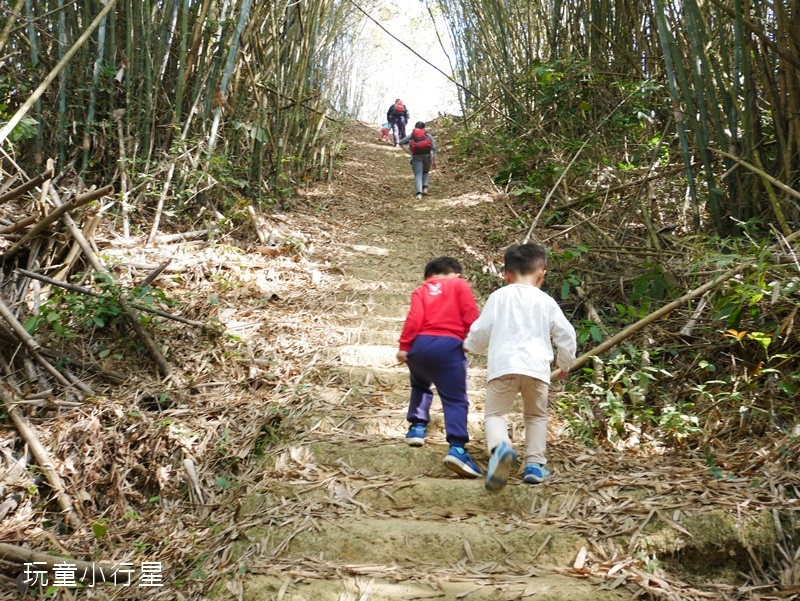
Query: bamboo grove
720, 77
215, 98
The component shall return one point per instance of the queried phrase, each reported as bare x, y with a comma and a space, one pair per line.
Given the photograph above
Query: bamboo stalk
10, 24
37, 93
761, 173
30, 185
42, 459
647, 320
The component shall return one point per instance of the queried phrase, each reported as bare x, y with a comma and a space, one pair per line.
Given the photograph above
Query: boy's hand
402, 356
563, 375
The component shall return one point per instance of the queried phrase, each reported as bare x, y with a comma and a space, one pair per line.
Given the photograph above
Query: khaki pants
500, 395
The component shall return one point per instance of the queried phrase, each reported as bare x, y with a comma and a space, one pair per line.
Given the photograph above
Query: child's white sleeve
563, 335
481, 330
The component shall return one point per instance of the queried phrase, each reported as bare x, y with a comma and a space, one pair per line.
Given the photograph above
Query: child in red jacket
442, 311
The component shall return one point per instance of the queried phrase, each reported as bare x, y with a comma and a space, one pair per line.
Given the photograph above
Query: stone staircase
347, 511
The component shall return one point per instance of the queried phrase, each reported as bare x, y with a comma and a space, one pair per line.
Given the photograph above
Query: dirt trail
386, 521
346, 510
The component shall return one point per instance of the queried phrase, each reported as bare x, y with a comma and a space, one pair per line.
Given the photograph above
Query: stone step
376, 296
372, 309
371, 457
379, 272
474, 542
390, 425
364, 335
394, 378
397, 586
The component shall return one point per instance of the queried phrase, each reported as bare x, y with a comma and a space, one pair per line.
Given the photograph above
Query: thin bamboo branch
760, 172
566, 169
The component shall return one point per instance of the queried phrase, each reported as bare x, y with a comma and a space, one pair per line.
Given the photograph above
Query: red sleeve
468, 306
414, 320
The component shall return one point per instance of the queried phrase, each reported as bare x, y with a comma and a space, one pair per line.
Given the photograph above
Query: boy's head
420, 125
525, 259
443, 266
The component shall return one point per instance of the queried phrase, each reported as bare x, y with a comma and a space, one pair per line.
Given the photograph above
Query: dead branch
259, 232
42, 457
23, 555
76, 202
692, 323
163, 365
168, 238
20, 190
21, 224
155, 273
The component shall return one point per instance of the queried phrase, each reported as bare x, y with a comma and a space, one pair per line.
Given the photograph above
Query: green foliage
26, 129
655, 284
100, 528
611, 405
67, 312
271, 431
587, 329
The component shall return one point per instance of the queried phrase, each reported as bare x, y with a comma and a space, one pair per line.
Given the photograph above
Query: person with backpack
397, 116
423, 156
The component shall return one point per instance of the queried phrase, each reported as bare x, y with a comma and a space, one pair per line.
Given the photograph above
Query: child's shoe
500, 464
535, 473
425, 190
459, 461
418, 196
416, 435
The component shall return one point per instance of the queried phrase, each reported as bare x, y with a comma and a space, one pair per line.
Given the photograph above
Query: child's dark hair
524, 259
442, 266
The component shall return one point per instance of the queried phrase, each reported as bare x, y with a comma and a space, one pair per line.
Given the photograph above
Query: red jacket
440, 307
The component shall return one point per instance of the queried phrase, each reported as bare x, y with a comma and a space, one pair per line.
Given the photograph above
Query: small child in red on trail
385, 133
442, 310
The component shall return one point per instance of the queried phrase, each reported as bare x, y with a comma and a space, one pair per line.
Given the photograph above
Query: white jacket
517, 325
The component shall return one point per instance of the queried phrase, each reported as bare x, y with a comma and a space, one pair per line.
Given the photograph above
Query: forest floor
294, 418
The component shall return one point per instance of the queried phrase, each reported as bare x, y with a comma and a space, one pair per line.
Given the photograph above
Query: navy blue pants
439, 360
398, 123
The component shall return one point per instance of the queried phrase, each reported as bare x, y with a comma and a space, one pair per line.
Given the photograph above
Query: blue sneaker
500, 464
459, 461
535, 473
416, 435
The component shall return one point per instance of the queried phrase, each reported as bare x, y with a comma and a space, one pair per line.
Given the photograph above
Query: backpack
399, 108
420, 142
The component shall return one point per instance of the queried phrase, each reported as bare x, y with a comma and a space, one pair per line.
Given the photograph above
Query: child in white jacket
519, 325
